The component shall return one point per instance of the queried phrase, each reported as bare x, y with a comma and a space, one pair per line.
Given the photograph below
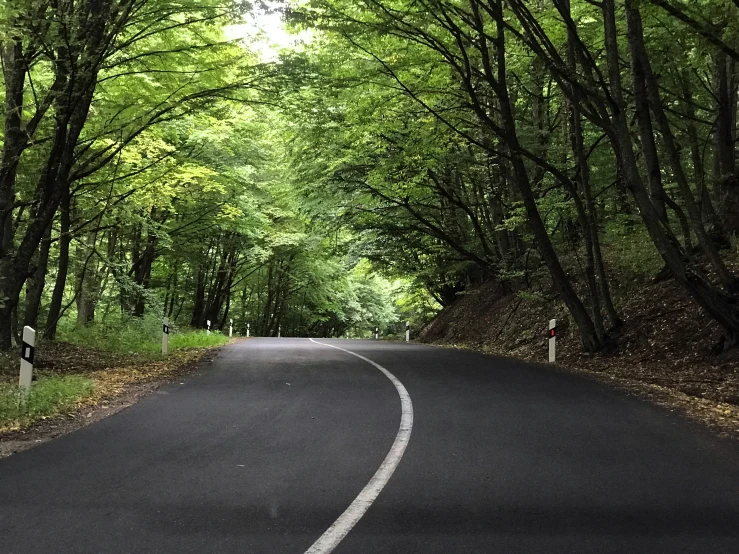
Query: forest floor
115, 381
664, 351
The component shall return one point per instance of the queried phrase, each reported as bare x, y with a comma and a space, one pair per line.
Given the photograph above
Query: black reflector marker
27, 351
165, 336
28, 348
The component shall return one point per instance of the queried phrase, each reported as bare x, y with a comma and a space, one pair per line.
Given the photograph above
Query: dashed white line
347, 520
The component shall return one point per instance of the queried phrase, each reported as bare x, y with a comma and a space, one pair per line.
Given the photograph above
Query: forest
391, 156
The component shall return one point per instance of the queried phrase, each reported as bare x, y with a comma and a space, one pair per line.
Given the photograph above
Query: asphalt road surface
290, 446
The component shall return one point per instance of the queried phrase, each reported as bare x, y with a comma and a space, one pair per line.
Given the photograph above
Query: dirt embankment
663, 351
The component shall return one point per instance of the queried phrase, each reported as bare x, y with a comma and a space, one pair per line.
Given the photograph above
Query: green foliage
361, 180
197, 339
49, 396
136, 335
630, 254
532, 297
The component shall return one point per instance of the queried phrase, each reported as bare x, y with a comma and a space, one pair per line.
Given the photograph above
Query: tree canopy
155, 163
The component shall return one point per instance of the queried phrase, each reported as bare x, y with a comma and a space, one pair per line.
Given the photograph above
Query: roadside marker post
552, 339
407, 331
230, 328
377, 333
28, 347
279, 331
248, 329
165, 336
209, 327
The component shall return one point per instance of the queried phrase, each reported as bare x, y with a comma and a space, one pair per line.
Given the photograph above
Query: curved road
263, 450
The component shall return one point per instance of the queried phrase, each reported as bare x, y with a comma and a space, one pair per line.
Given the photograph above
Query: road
264, 449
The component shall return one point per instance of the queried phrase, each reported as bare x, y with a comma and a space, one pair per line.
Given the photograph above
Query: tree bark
717, 304
36, 283
57, 296
598, 283
638, 50
591, 339
87, 281
644, 121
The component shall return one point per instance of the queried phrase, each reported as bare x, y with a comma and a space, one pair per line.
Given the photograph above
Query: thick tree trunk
14, 75
198, 310
724, 122
726, 181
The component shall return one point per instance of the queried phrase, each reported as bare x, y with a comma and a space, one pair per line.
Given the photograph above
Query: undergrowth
137, 335
48, 397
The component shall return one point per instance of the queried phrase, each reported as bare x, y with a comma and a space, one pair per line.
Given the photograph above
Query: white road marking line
341, 527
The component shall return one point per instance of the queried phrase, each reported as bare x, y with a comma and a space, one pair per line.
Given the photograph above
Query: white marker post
248, 329
231, 328
377, 333
552, 339
407, 331
27, 349
209, 327
165, 336
279, 331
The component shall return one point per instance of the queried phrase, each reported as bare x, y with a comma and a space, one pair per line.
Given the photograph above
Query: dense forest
158, 161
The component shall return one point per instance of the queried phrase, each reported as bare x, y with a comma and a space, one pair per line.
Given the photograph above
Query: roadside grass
48, 397
196, 339
138, 336
93, 364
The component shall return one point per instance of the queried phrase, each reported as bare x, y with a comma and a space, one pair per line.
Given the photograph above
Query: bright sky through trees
264, 30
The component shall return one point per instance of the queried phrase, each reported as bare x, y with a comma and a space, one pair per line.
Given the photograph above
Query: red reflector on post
551, 332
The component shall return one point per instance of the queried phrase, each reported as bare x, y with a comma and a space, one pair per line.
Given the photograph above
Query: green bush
196, 339
48, 396
137, 335
629, 253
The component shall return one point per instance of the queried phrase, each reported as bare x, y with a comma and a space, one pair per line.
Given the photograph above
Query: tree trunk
720, 306
142, 274
708, 212
638, 50
591, 340
597, 277
727, 183
646, 131
36, 283
87, 280
198, 310
57, 296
